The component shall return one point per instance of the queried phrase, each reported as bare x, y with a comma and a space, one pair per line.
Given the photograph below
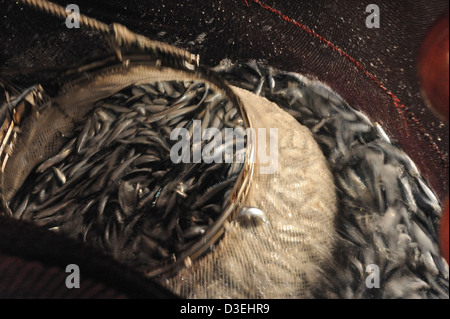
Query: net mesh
283, 257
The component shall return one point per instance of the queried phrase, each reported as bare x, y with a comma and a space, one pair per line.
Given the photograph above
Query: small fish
120, 170
194, 232
128, 195
259, 90
149, 89
160, 87
146, 159
162, 102
154, 108
382, 133
101, 208
170, 90
53, 210
21, 209
59, 176
115, 108
251, 216
118, 130
212, 192
217, 122
65, 152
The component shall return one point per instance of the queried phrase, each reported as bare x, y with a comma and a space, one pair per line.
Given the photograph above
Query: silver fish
251, 215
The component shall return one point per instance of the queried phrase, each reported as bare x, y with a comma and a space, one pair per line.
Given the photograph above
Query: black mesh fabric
373, 69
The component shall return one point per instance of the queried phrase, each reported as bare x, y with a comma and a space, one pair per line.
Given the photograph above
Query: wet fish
251, 215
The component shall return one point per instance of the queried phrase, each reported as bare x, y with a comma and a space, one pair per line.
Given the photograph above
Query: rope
60, 12
122, 37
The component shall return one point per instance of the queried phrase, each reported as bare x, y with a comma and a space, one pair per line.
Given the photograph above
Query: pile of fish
115, 186
388, 216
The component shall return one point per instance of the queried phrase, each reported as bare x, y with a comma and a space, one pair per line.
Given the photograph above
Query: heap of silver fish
388, 215
115, 186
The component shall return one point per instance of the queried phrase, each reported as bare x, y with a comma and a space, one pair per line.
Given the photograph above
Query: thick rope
122, 37
59, 11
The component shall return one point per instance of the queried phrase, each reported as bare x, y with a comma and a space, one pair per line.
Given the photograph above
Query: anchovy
115, 108
21, 209
194, 232
119, 129
119, 164
251, 214
149, 89
60, 176
128, 196
53, 210
212, 192
154, 108
146, 159
65, 152
122, 167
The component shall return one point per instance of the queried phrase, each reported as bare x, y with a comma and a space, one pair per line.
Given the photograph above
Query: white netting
280, 259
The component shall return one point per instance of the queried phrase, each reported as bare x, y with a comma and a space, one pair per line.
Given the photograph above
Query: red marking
247, 3
401, 108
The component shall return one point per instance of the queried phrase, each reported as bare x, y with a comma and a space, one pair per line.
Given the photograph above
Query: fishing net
155, 206
342, 197
387, 215
282, 256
